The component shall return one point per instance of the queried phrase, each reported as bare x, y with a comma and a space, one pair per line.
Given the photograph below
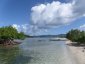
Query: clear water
37, 51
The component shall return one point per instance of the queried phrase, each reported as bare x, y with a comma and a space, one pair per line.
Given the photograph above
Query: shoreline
10, 42
78, 52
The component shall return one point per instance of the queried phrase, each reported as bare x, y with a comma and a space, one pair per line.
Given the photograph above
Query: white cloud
17, 27
52, 14
57, 13
29, 29
82, 27
22, 28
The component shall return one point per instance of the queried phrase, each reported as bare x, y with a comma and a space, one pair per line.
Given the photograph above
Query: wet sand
78, 52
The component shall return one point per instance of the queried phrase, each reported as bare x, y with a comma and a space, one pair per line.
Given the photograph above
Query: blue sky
22, 12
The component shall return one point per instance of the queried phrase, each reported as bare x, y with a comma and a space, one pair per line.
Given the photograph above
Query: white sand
77, 52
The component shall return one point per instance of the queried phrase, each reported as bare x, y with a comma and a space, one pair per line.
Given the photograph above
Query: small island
9, 34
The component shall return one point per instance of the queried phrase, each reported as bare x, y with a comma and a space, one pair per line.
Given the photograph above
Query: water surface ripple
37, 51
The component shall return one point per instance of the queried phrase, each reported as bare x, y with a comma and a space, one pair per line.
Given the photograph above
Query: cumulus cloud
26, 28
79, 7
16, 26
57, 13
51, 15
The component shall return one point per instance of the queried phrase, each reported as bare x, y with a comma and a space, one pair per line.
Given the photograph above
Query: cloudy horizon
44, 17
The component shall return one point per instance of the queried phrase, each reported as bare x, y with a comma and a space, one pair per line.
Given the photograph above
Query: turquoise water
37, 51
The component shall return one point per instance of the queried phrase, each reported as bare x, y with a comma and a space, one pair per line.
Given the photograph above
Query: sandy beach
78, 52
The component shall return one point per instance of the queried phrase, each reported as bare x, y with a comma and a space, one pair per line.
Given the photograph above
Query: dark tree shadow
76, 44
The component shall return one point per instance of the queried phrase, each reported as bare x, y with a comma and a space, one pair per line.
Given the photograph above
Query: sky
43, 17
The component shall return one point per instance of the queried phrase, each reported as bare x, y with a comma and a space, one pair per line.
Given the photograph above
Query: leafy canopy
8, 32
76, 36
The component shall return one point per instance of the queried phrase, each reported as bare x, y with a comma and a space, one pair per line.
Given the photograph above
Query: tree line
8, 34
76, 35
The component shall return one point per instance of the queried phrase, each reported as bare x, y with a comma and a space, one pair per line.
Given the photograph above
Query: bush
76, 36
8, 32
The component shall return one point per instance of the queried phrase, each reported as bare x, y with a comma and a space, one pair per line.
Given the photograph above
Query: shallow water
37, 51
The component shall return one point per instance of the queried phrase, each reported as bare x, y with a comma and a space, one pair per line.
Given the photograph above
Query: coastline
10, 42
78, 52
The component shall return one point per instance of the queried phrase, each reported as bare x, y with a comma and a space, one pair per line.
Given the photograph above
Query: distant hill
59, 35
27, 36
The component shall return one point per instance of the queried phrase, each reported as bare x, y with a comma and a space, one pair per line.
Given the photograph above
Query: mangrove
8, 34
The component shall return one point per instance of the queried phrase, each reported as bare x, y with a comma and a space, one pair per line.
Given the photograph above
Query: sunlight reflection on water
37, 51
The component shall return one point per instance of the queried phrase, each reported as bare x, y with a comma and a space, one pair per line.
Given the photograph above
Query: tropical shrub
76, 36
8, 32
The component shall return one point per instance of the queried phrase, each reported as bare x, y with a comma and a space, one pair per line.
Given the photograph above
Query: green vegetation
8, 33
76, 36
